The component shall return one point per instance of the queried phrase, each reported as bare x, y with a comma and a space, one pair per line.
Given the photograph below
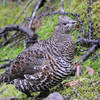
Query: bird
44, 64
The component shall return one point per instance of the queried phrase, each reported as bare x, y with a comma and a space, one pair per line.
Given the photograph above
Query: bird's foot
42, 94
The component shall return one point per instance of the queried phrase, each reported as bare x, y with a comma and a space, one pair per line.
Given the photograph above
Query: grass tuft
89, 89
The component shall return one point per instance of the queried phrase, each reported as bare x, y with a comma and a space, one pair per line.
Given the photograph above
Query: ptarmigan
46, 63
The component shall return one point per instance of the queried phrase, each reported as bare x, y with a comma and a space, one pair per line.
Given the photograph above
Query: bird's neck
59, 37
61, 34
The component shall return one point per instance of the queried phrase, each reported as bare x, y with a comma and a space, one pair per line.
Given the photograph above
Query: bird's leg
60, 86
28, 94
43, 94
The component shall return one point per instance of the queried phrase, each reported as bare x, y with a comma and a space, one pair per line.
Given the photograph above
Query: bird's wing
29, 61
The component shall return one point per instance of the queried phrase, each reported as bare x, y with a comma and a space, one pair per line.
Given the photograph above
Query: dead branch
90, 33
22, 29
24, 10
28, 32
26, 6
56, 12
13, 37
7, 64
62, 6
4, 60
78, 94
30, 40
88, 53
9, 12
82, 25
34, 13
89, 40
94, 57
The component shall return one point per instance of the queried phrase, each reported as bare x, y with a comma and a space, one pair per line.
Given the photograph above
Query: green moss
47, 27
80, 6
96, 17
10, 53
9, 90
87, 90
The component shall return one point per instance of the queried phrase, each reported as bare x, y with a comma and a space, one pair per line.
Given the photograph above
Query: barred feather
45, 64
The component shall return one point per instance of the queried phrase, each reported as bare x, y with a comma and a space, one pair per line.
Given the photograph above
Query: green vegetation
89, 89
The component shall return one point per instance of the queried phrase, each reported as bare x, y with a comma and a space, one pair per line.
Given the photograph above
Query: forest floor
90, 84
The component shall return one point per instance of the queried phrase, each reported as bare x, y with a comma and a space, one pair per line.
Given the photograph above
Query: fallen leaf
90, 71
73, 83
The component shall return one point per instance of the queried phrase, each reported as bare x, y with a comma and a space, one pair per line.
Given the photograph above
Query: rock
54, 96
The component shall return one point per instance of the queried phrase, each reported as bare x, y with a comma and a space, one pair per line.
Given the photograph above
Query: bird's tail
5, 77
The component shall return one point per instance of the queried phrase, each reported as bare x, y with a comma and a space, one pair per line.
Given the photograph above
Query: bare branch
90, 21
82, 25
23, 29
94, 57
87, 41
4, 60
91, 50
30, 24
9, 12
7, 64
78, 94
34, 13
56, 12
26, 6
24, 10
62, 6
87, 54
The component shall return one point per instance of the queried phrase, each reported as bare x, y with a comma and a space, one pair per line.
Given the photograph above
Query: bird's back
53, 59
44, 64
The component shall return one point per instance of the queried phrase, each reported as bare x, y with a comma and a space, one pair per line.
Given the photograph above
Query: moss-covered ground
89, 90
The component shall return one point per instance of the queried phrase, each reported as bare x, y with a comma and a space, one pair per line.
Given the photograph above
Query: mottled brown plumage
45, 64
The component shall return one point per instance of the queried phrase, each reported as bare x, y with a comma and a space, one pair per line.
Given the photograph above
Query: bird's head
65, 24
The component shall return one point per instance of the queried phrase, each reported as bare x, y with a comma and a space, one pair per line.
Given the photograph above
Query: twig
7, 64
12, 37
78, 94
23, 29
87, 41
26, 6
9, 12
30, 23
54, 13
17, 42
94, 57
34, 13
90, 22
62, 6
24, 10
4, 60
88, 53
82, 25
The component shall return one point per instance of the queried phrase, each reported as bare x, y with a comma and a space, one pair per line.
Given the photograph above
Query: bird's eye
64, 23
